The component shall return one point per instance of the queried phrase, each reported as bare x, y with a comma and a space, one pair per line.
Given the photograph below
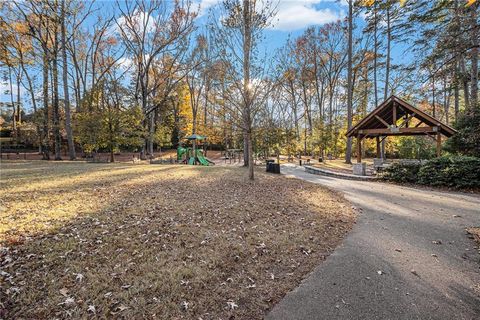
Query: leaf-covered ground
157, 241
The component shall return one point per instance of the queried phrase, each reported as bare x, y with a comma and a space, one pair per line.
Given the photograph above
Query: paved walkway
408, 257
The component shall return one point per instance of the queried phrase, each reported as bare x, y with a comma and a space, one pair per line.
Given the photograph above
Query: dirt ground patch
151, 241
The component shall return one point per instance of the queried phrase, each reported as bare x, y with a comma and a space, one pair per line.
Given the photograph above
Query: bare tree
37, 15
195, 79
348, 152
66, 95
240, 33
148, 30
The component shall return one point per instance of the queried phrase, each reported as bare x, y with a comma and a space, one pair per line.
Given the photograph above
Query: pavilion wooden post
359, 148
377, 138
439, 144
394, 115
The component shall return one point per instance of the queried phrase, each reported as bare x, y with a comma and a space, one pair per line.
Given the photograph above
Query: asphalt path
407, 257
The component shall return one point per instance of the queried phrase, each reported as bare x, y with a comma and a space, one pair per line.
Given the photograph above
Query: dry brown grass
148, 241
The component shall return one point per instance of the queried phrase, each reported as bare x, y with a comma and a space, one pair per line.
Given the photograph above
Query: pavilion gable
396, 117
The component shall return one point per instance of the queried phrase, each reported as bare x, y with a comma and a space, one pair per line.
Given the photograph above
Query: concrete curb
314, 170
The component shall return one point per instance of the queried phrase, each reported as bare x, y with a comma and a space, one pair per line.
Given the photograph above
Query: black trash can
269, 165
275, 167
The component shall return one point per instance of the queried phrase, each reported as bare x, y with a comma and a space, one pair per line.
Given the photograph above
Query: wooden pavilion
396, 117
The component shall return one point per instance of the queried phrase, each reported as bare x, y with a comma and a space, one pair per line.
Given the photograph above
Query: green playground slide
202, 160
191, 160
209, 161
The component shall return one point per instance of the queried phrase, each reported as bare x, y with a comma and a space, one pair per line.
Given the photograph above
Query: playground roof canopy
383, 121
196, 137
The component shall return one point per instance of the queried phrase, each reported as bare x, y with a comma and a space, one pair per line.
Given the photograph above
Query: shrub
458, 172
402, 173
451, 171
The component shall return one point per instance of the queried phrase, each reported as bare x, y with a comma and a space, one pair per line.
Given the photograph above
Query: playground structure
188, 156
193, 155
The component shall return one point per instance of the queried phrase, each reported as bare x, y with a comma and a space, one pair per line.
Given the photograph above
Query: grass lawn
151, 241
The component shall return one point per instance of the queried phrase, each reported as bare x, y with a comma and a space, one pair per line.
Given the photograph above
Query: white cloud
294, 14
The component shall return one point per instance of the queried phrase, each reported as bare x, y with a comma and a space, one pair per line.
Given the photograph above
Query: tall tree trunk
295, 109
34, 103
466, 91
330, 105
375, 54
110, 117
151, 133
308, 109
317, 82
434, 107
245, 147
457, 102
205, 110
66, 98
12, 100
19, 109
456, 90
387, 62
308, 119
45, 133
322, 122
387, 70
146, 118
247, 43
56, 106
475, 44
446, 99
76, 77
194, 131
348, 152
